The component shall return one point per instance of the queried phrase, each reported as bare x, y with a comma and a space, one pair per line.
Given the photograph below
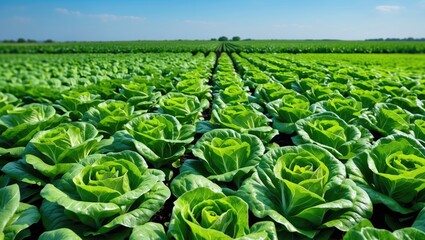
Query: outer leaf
9, 203
59, 234
189, 181
149, 231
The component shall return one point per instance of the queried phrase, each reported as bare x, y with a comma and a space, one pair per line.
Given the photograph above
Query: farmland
210, 140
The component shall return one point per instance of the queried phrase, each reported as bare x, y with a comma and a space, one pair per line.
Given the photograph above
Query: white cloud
65, 11
112, 17
388, 8
104, 17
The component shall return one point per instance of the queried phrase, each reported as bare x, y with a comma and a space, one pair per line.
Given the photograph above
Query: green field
212, 140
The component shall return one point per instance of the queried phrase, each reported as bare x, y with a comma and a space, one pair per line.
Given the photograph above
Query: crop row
259, 146
253, 46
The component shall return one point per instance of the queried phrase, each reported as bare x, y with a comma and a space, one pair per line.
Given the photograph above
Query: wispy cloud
65, 11
112, 17
388, 8
104, 17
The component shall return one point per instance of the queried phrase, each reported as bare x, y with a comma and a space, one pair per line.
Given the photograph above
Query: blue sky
94, 20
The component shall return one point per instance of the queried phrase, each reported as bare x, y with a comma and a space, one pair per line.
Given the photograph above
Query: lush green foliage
304, 190
204, 214
104, 192
188, 145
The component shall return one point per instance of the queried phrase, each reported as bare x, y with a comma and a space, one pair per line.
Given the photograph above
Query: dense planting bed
212, 146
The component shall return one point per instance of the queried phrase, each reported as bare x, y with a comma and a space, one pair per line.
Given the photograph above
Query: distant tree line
23, 40
396, 39
224, 38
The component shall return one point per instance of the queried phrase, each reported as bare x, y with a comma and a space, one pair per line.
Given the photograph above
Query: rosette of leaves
194, 86
304, 84
254, 77
186, 108
224, 78
232, 95
16, 216
349, 109
304, 190
20, 124
393, 91
332, 133
104, 193
271, 91
109, 116
225, 156
205, 214
77, 103
342, 88
366, 231
139, 95
385, 118
159, 138
244, 119
287, 110
7, 102
392, 173
320, 93
287, 79
368, 98
53, 152
410, 103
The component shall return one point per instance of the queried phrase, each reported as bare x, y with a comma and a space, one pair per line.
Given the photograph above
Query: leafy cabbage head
225, 157
104, 192
392, 173
287, 110
349, 109
109, 116
186, 108
271, 91
139, 95
77, 103
368, 98
232, 95
387, 117
53, 152
244, 119
332, 133
20, 124
160, 138
304, 190
194, 86
204, 214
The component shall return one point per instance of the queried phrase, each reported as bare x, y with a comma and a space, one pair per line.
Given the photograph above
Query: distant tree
49, 41
213, 39
236, 38
21, 40
223, 38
